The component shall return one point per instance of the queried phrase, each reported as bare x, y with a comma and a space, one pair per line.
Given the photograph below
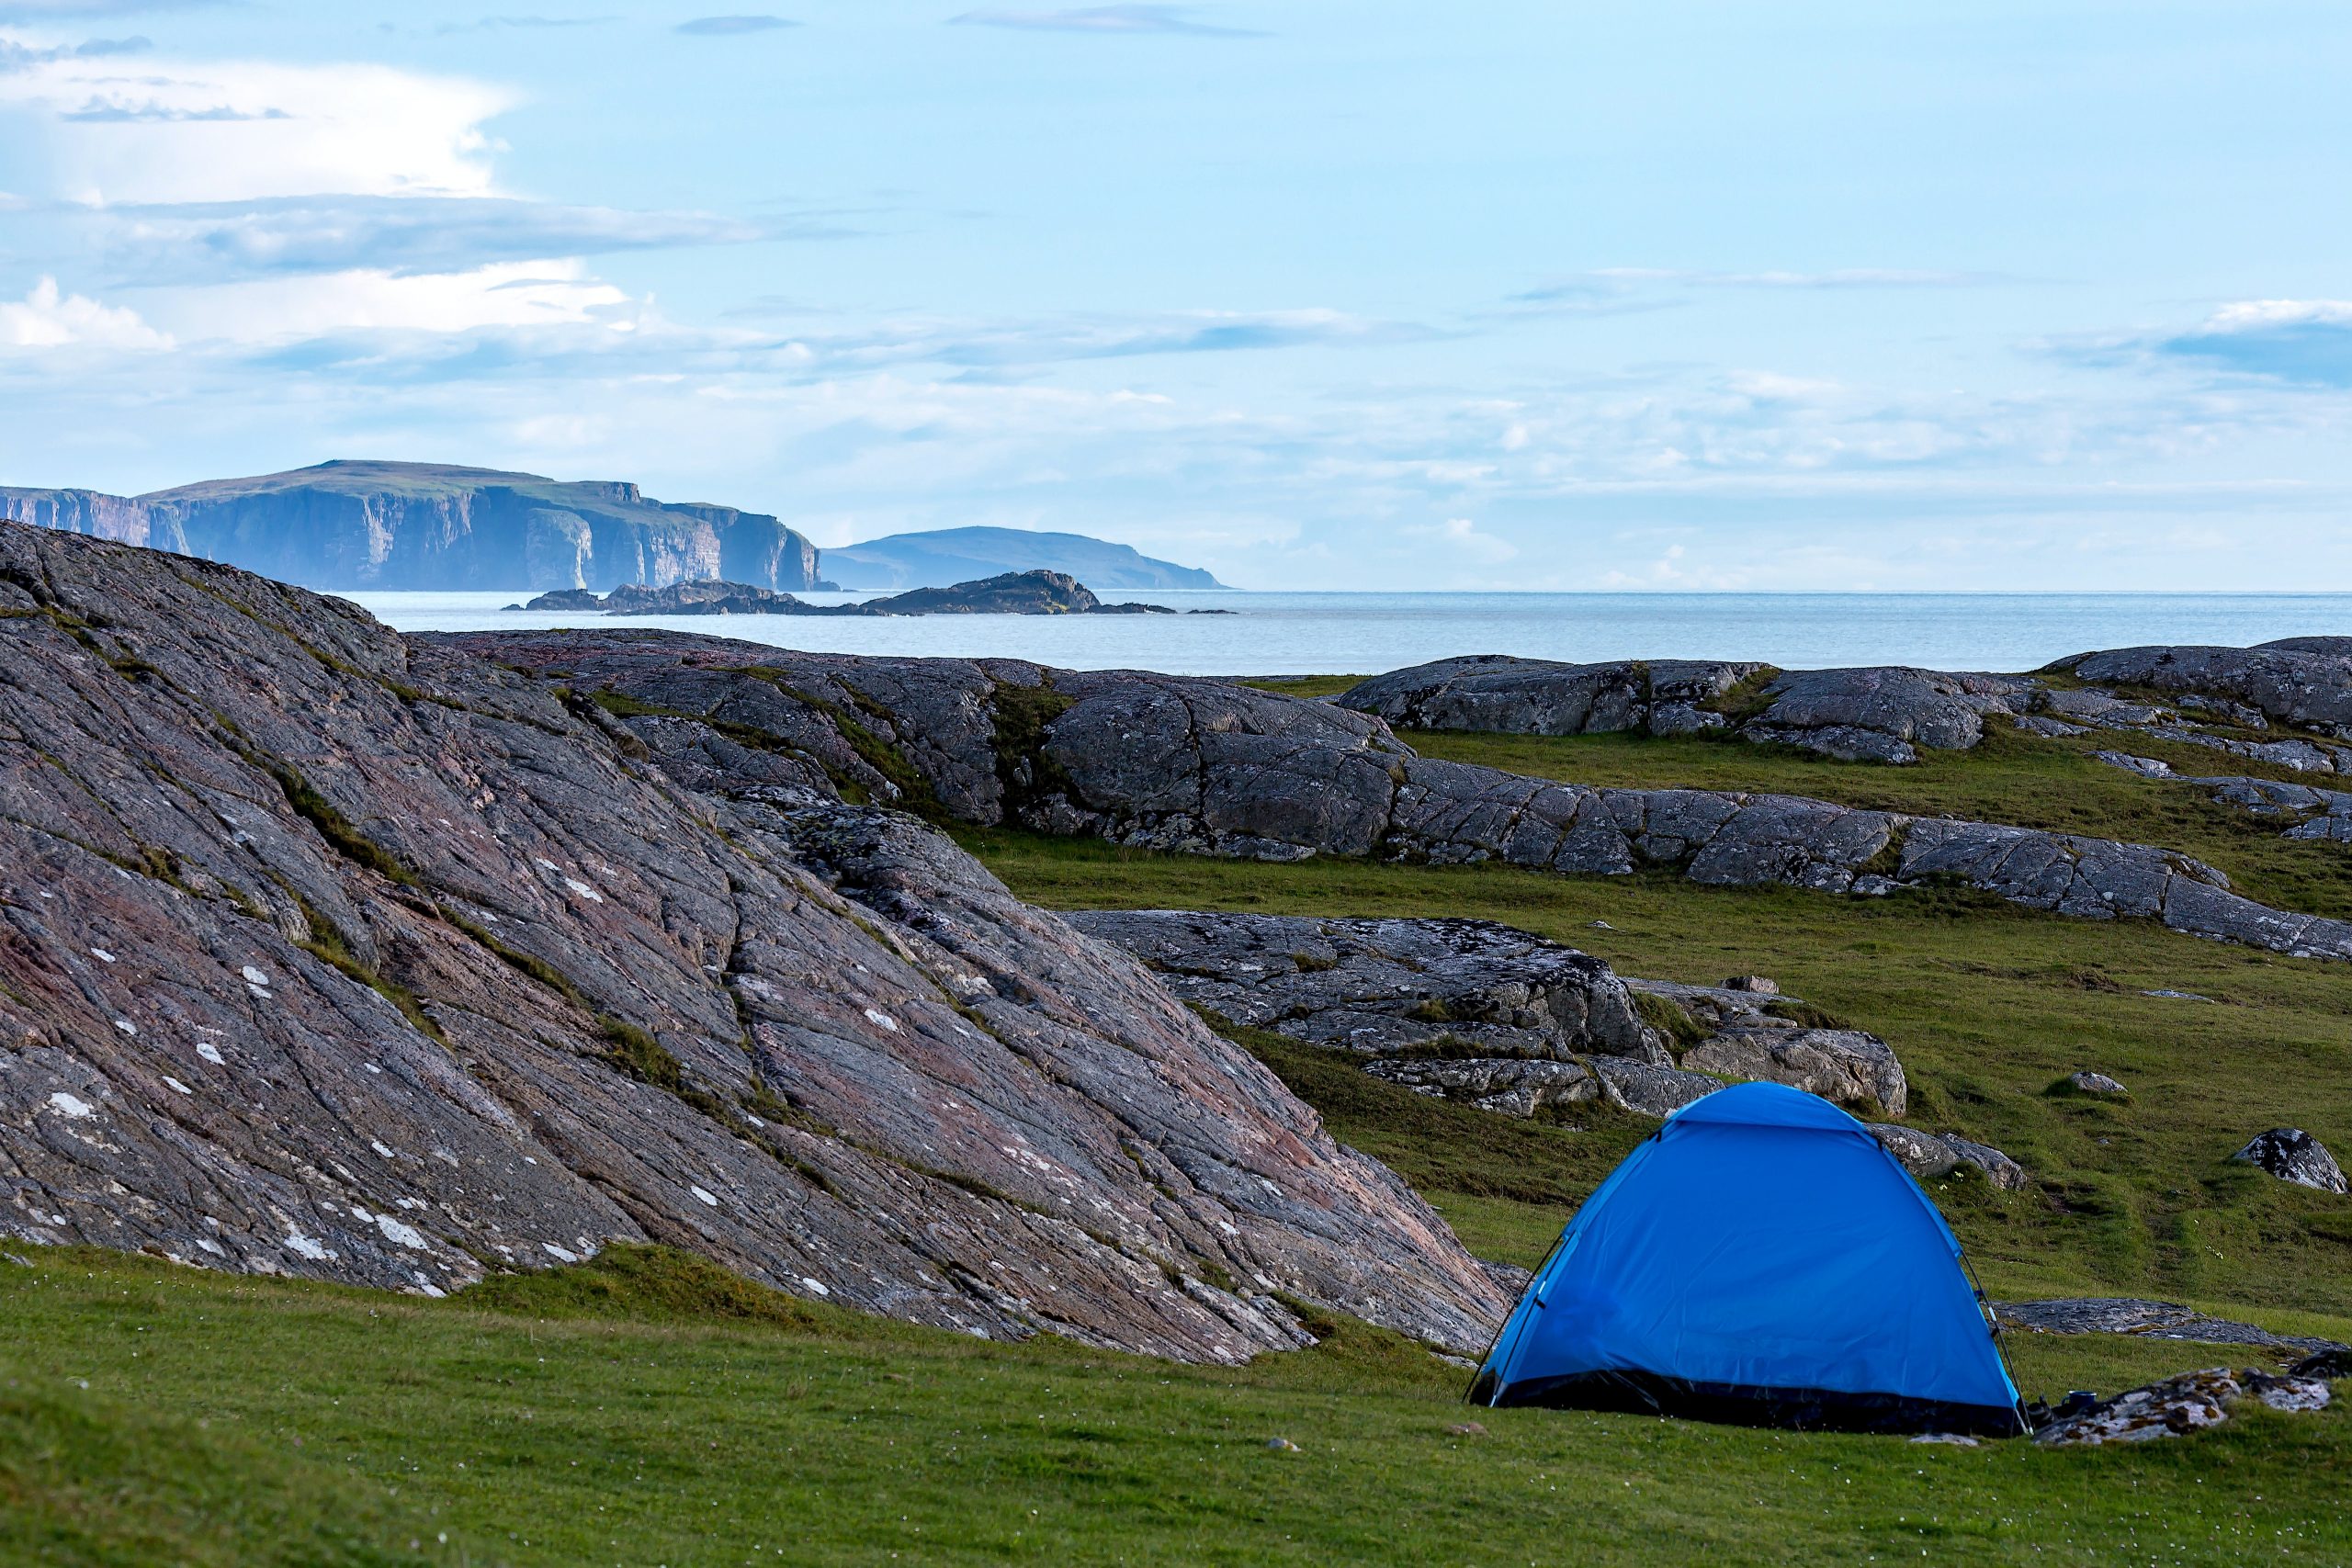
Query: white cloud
48, 318
323, 305
1462, 537
247, 130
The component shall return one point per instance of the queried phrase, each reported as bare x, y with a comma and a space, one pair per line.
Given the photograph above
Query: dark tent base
1794, 1409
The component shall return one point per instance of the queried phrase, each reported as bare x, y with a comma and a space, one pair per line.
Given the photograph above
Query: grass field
645, 1408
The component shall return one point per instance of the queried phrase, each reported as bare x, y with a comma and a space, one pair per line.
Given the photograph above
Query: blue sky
1362, 295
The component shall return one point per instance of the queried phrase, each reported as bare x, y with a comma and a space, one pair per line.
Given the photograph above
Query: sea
1331, 634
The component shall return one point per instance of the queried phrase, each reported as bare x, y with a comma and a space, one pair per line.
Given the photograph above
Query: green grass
1986, 1004
637, 1410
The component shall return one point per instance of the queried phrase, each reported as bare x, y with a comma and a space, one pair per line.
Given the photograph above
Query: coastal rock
1204, 767
2292, 1154
1015, 593
943, 556
2180, 1406
1881, 713
1012, 593
2313, 813
2291, 685
1649, 1091
1386, 987
1502, 694
334, 953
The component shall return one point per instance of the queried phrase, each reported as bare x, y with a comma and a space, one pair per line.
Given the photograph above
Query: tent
1760, 1258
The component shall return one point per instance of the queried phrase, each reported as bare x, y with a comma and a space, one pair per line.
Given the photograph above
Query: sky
1364, 295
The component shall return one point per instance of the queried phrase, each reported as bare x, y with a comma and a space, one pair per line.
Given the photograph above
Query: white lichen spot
1228, 1227
381, 1149
371, 1066
255, 976
565, 1253
259, 993
208, 1051
175, 1086
883, 1020
399, 1235
125, 1026
102, 955
72, 1106
307, 1247
210, 1245
704, 1196
582, 890
816, 1285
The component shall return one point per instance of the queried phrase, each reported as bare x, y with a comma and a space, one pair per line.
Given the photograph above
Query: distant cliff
949, 555
425, 526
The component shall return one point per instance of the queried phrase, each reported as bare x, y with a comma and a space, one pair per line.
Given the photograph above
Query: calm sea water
1297, 634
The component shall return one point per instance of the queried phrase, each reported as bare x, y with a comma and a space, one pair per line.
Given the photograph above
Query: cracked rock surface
2294, 1155
2148, 1319
329, 953
2178, 1406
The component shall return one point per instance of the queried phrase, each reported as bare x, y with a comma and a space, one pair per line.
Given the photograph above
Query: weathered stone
1649, 1091
2088, 1082
1836, 710
1844, 1066
336, 954
1386, 987
2148, 1320
2335, 1361
2292, 1154
1498, 694
2287, 685
1928, 1157
1506, 1085
2180, 1406
1758, 984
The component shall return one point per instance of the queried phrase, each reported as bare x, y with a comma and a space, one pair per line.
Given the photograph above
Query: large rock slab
1884, 714
328, 952
1498, 694
1386, 986
2148, 1320
1844, 1066
2294, 683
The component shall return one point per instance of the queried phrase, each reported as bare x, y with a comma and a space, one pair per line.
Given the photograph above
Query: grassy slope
633, 1410
645, 1408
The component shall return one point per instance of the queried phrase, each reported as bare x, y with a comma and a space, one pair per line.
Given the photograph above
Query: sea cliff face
412, 526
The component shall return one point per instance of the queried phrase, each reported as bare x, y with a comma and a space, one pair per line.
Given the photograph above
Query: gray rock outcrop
1203, 767
2280, 683
1883, 715
329, 953
1844, 1066
2091, 1083
2294, 1155
1499, 693
2178, 1406
1386, 987
2310, 812
1928, 1156
2147, 1320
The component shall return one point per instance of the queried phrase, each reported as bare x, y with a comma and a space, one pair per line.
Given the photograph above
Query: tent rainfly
1759, 1259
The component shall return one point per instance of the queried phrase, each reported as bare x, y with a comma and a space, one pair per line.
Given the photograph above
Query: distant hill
948, 555
429, 525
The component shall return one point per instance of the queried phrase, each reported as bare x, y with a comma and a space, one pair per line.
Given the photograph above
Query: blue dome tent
1761, 1259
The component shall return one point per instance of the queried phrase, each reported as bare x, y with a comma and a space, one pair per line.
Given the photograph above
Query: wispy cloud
1613, 283
119, 112
47, 317
90, 10
520, 24
2305, 342
1104, 19
733, 27
17, 56
194, 242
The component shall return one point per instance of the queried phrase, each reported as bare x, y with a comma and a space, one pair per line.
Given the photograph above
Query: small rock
2292, 1154
1281, 1445
2175, 1406
1957, 1439
2335, 1363
1759, 983
2178, 996
2089, 1082
1467, 1429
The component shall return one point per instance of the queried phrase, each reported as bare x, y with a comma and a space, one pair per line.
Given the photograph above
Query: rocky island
1012, 594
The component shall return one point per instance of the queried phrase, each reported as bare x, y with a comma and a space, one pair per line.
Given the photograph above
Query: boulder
1755, 984
1881, 713
1844, 1066
2306, 687
2292, 1154
1928, 1157
1388, 987
2092, 1083
1649, 1091
2178, 1406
